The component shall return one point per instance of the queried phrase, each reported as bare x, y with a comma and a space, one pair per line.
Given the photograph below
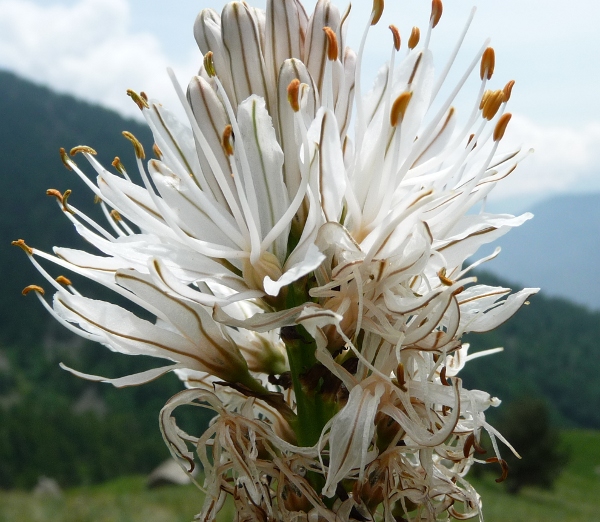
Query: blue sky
96, 49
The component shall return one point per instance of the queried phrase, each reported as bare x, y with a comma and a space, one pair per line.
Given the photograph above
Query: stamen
332, 44
65, 158
488, 62
377, 11
63, 280
84, 149
115, 215
157, 152
415, 36
444, 280
399, 108
137, 146
21, 244
490, 103
436, 12
500, 128
293, 92
507, 91
209, 65
227, 140
118, 165
34, 288
139, 100
396, 34
144, 96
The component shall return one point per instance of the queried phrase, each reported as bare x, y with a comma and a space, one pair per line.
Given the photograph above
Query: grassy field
575, 497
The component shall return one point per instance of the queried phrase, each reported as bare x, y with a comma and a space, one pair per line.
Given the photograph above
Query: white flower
308, 282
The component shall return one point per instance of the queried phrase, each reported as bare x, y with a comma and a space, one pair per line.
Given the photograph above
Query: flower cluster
307, 282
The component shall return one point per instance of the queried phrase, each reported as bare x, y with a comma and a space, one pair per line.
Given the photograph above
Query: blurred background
64, 68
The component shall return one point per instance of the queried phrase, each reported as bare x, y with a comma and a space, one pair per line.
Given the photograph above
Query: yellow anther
66, 195
84, 149
209, 65
488, 62
65, 158
138, 99
415, 36
332, 44
377, 11
436, 12
63, 280
399, 108
21, 244
157, 152
227, 140
34, 288
139, 150
293, 92
144, 95
97, 199
501, 126
490, 103
507, 91
443, 279
115, 215
396, 35
118, 165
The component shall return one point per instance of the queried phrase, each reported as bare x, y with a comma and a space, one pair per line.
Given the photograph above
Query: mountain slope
558, 250
34, 124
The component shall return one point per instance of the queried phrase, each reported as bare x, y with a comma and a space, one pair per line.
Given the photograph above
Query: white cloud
566, 159
87, 49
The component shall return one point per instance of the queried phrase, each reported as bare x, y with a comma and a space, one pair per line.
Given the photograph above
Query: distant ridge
558, 250
34, 123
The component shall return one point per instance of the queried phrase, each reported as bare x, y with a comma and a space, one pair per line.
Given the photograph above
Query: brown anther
144, 95
501, 126
139, 100
293, 92
34, 288
468, 444
55, 193
399, 108
63, 280
396, 35
157, 152
415, 36
377, 11
227, 140
137, 146
118, 165
65, 158
470, 140
503, 465
436, 12
491, 103
209, 65
458, 291
21, 244
488, 62
484, 99
84, 149
507, 91
115, 215
443, 279
332, 44
443, 377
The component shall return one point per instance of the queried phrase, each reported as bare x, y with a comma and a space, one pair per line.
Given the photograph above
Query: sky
96, 49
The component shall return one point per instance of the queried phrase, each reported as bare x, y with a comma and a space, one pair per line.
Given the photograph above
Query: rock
47, 487
168, 473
